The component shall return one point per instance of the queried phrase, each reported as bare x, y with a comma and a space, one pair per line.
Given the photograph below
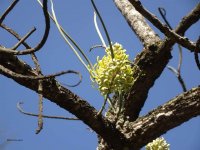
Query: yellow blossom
113, 74
158, 144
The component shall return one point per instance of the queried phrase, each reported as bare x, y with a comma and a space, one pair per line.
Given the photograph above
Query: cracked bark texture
155, 58
65, 99
137, 23
134, 132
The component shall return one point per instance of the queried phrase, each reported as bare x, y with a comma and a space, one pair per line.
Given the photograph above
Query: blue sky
76, 16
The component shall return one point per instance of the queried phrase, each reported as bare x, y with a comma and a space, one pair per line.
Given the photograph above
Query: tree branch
42, 42
67, 100
185, 42
137, 23
196, 57
23, 39
151, 62
8, 10
19, 107
175, 112
11, 31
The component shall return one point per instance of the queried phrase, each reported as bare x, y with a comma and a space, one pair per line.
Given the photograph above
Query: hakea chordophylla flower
158, 144
113, 75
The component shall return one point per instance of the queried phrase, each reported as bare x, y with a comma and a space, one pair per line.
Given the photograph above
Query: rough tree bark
133, 132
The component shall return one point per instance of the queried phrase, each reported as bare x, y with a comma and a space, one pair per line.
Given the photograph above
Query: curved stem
98, 31
44, 116
70, 38
104, 27
42, 42
66, 40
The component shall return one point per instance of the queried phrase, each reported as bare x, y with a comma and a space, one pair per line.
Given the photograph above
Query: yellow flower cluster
113, 74
158, 144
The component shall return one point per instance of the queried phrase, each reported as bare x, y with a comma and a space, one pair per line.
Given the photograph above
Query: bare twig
97, 46
196, 53
35, 59
180, 58
40, 95
23, 39
8, 10
40, 119
17, 36
162, 12
20, 76
44, 116
185, 42
177, 71
74, 85
37, 65
179, 77
42, 42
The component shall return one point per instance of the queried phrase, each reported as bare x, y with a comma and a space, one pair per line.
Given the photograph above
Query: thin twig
40, 95
42, 42
172, 69
40, 119
20, 76
17, 36
196, 53
180, 79
177, 71
8, 10
40, 91
34, 57
44, 116
180, 59
97, 46
185, 42
69, 37
163, 13
36, 63
23, 39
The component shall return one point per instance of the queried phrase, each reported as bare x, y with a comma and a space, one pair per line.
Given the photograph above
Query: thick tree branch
151, 62
165, 29
157, 122
137, 23
67, 100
